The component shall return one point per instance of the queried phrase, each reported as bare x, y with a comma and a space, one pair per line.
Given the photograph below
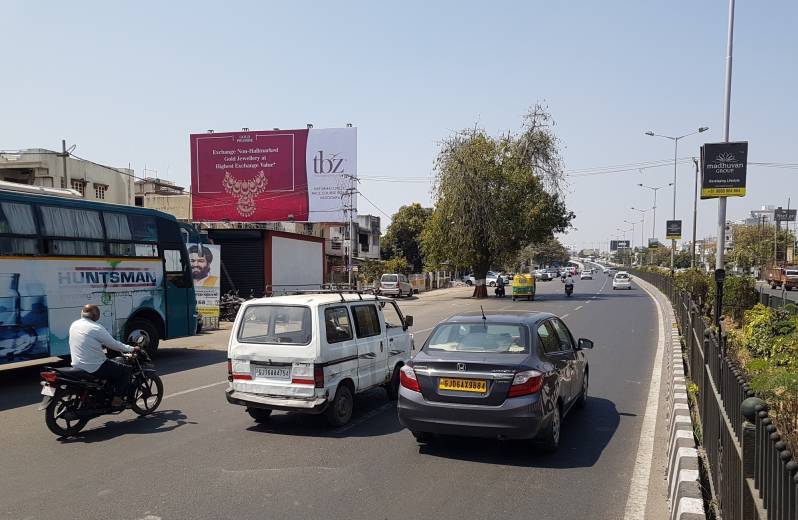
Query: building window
99, 190
80, 186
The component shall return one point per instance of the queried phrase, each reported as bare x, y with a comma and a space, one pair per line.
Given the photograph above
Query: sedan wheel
550, 439
582, 402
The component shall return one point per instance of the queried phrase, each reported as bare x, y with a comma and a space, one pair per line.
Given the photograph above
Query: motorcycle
72, 396
569, 289
229, 304
499, 291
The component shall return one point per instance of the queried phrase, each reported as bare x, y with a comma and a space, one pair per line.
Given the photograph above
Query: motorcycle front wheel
147, 394
60, 416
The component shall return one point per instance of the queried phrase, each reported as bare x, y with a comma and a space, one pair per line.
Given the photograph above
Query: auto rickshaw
524, 286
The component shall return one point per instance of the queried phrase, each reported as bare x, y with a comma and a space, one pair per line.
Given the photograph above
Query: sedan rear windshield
275, 324
478, 337
621, 276
791, 272
389, 278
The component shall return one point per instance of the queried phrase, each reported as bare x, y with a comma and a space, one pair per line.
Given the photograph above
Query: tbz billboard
293, 175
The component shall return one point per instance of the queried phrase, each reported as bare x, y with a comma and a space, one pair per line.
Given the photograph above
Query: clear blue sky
128, 82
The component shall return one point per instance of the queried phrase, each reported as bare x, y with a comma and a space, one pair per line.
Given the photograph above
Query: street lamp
642, 223
633, 235
675, 140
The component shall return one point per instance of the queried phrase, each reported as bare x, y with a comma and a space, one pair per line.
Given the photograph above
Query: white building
163, 195
40, 167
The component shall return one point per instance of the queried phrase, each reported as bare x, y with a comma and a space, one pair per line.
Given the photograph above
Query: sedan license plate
48, 390
273, 372
463, 385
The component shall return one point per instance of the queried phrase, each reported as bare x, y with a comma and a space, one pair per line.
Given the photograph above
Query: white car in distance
622, 280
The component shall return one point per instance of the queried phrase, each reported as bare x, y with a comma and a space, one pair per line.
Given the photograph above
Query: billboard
206, 261
673, 229
784, 215
277, 175
653, 243
618, 244
723, 169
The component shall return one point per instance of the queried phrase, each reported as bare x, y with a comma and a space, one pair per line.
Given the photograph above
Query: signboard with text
277, 175
784, 215
673, 229
618, 244
723, 169
206, 261
653, 243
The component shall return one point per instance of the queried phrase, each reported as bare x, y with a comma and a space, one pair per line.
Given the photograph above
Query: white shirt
569, 281
86, 340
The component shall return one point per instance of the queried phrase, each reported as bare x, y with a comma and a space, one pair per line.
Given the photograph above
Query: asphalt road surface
199, 457
789, 295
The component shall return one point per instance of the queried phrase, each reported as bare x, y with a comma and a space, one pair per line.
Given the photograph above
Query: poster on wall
206, 260
277, 175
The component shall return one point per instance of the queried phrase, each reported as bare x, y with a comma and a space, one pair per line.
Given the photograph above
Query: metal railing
752, 474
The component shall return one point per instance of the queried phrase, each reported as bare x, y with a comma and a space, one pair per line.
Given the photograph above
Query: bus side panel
40, 297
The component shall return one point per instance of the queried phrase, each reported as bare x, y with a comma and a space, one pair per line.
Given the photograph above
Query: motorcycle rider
86, 340
569, 282
499, 286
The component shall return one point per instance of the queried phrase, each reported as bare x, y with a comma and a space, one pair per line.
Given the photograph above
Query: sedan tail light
407, 378
525, 383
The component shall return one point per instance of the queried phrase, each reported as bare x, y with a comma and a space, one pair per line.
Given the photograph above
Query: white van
311, 353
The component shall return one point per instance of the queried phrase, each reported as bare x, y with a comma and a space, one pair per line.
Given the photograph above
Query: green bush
699, 284
739, 295
770, 337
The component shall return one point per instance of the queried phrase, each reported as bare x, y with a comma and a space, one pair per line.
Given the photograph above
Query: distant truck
786, 276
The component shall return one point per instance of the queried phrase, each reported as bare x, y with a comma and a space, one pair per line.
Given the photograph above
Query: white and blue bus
58, 253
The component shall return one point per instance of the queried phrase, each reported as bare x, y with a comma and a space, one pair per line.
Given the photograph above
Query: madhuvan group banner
277, 175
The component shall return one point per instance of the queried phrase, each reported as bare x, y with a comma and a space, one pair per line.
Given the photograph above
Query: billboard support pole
719, 263
695, 215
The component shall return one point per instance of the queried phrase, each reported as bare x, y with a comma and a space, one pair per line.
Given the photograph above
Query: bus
59, 252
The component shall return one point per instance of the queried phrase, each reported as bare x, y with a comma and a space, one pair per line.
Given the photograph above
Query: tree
403, 236
752, 244
397, 265
544, 253
495, 195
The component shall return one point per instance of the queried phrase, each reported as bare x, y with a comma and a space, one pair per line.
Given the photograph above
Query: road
789, 295
201, 458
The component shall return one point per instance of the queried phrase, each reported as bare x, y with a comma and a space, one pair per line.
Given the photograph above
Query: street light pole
675, 140
695, 215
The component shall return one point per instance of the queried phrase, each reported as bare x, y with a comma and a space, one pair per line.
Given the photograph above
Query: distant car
490, 279
505, 376
611, 271
543, 275
622, 280
587, 274
394, 284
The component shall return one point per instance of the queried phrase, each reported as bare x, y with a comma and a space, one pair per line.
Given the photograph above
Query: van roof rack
337, 291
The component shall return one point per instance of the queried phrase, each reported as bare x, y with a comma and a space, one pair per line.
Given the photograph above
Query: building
163, 195
368, 237
766, 215
41, 167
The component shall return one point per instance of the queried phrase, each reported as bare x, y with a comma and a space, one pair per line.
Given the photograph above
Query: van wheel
392, 388
399, 295
423, 437
340, 410
259, 414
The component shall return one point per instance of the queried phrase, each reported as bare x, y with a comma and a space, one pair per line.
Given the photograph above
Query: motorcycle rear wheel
147, 395
63, 403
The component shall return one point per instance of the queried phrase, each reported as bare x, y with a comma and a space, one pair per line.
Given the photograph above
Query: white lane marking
203, 387
564, 316
587, 301
638, 488
578, 307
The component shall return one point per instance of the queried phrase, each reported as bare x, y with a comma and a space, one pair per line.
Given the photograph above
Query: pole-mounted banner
723, 169
784, 215
673, 229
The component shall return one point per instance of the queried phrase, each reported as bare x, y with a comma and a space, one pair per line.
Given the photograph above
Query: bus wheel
139, 329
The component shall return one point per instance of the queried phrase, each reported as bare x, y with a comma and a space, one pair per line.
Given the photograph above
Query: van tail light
407, 378
242, 377
526, 383
229, 369
50, 377
318, 376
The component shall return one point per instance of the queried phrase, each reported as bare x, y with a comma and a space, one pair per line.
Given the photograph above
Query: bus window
175, 268
116, 227
72, 223
17, 219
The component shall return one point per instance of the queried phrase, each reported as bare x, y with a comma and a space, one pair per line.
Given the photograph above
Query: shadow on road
585, 434
158, 422
20, 387
374, 416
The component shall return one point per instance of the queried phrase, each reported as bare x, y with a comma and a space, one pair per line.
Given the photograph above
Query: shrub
739, 295
699, 284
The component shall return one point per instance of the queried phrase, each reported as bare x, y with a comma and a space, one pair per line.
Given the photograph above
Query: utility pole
350, 208
720, 274
695, 214
64, 156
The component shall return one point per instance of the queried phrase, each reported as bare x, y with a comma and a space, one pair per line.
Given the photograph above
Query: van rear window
275, 325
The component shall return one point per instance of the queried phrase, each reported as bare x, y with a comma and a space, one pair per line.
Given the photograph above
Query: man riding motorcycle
569, 284
86, 340
499, 287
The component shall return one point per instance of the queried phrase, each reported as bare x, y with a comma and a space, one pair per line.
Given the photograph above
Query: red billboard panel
260, 176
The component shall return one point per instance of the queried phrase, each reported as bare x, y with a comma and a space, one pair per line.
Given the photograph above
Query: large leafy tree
403, 236
495, 195
544, 253
753, 244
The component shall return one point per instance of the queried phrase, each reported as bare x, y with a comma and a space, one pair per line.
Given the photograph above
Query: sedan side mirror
408, 321
585, 343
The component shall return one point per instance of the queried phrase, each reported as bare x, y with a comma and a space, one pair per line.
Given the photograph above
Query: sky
128, 82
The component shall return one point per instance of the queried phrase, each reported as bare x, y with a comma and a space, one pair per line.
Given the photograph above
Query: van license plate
273, 372
463, 385
48, 390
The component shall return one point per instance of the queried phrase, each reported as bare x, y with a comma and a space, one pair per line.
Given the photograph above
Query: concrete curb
684, 488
